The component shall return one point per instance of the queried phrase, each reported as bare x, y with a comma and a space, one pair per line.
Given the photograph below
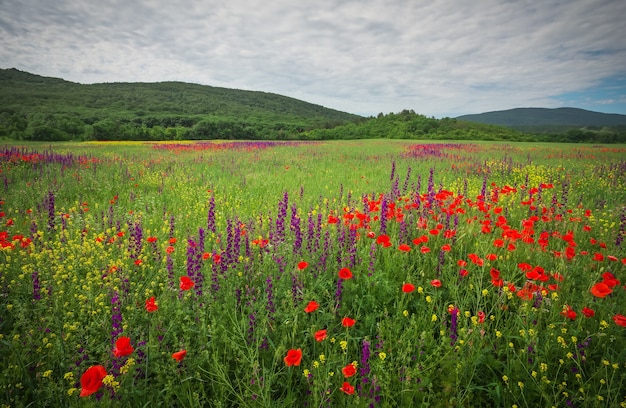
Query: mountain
44, 108
520, 118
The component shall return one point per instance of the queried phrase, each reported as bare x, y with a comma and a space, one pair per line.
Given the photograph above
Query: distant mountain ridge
535, 117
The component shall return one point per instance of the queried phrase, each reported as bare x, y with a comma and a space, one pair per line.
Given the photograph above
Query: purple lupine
352, 247
318, 232
325, 252
295, 228
36, 285
383, 215
251, 326
405, 187
442, 260
50, 203
364, 368
393, 170
310, 234
172, 226
279, 234
338, 293
135, 243
269, 291
296, 289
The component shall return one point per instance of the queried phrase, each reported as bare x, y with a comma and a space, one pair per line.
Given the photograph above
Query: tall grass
366, 273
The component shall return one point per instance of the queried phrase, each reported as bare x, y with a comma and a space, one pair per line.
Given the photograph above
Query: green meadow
367, 273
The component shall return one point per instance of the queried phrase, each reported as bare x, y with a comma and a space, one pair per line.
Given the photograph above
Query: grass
481, 274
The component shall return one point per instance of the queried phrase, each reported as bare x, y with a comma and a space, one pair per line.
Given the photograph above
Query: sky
437, 57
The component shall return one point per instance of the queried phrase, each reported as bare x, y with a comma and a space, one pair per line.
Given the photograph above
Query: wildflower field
369, 273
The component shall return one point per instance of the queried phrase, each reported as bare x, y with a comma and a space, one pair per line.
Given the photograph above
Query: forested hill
33, 107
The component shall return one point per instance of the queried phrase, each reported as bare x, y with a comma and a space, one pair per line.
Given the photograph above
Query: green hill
524, 117
42, 108
558, 125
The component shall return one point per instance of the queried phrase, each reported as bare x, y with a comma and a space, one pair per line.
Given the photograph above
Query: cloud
438, 58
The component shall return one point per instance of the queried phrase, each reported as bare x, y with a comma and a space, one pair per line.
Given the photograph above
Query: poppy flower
404, 248
601, 290
481, 317
588, 312
408, 288
347, 322
345, 273
320, 335
569, 312
302, 265
349, 370
91, 380
347, 388
123, 347
186, 283
179, 355
293, 357
311, 307
383, 240
620, 320
609, 279
151, 305
435, 283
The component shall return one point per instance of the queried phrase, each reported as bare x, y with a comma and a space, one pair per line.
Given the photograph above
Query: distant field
349, 273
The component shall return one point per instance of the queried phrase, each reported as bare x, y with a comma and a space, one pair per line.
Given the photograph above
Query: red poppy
312, 306
424, 250
345, 273
481, 317
172, 241
320, 335
588, 312
302, 265
123, 347
170, 249
186, 283
347, 388
569, 312
383, 239
600, 290
293, 357
151, 305
404, 248
620, 320
610, 279
179, 355
408, 288
435, 283
152, 239
349, 370
91, 380
347, 322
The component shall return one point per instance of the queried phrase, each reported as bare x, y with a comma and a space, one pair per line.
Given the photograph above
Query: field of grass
367, 273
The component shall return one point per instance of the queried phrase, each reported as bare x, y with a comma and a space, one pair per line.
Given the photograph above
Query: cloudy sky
437, 57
